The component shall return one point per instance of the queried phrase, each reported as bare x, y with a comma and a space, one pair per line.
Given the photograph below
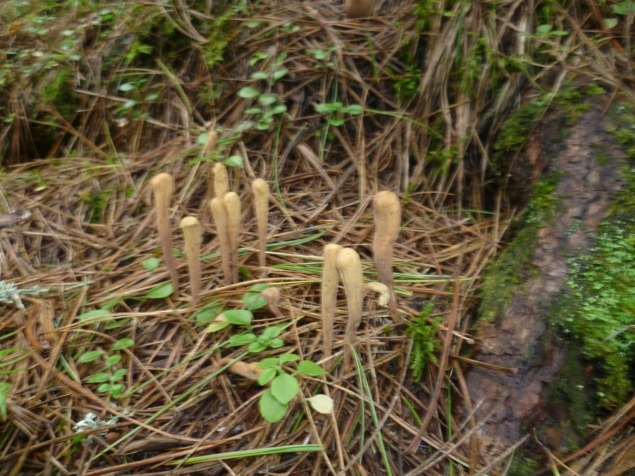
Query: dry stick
221, 182
163, 187
261, 202
349, 267
232, 205
387, 223
330, 279
442, 366
219, 213
192, 234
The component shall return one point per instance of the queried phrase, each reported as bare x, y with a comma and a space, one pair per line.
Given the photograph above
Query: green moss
514, 265
523, 466
59, 93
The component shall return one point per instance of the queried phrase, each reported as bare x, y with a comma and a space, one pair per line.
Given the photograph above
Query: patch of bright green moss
514, 265
60, 94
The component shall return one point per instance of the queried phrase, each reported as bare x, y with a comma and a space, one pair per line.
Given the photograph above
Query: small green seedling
335, 108
110, 379
274, 402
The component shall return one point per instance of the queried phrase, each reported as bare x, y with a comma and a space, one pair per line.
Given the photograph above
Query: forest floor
107, 370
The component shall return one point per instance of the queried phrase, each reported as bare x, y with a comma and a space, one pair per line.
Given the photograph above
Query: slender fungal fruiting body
349, 267
219, 213
358, 8
261, 201
381, 289
163, 187
387, 223
208, 151
232, 205
330, 279
221, 181
192, 234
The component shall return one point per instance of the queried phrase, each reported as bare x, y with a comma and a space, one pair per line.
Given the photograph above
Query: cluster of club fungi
339, 262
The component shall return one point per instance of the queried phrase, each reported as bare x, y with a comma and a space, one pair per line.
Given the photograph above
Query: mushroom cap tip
188, 222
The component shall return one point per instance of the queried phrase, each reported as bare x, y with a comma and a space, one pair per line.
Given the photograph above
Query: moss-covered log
555, 301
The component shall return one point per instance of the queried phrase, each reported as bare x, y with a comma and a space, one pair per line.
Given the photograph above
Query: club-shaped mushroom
330, 280
192, 233
163, 187
219, 213
232, 205
261, 202
349, 267
221, 182
387, 223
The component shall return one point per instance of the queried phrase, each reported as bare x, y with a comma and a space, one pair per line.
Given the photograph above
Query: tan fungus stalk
208, 151
381, 289
221, 181
358, 8
330, 280
163, 187
192, 234
387, 224
349, 267
219, 213
261, 201
232, 205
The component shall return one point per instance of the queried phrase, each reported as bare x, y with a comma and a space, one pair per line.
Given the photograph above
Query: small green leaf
90, 356
271, 332
253, 110
289, 358
353, 109
266, 376
207, 315
306, 367
270, 408
112, 360
234, 161
543, 29
260, 75
125, 87
119, 373
268, 363
202, 138
5, 388
123, 343
280, 108
217, 326
256, 347
241, 339
284, 387
240, 317
248, 93
92, 314
279, 74
276, 343
161, 291
117, 389
99, 378
610, 23
267, 99
335, 122
263, 125
151, 264
253, 298
329, 107
104, 387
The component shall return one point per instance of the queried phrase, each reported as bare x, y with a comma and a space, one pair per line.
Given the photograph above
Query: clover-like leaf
270, 408
248, 93
306, 367
266, 376
284, 387
240, 317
